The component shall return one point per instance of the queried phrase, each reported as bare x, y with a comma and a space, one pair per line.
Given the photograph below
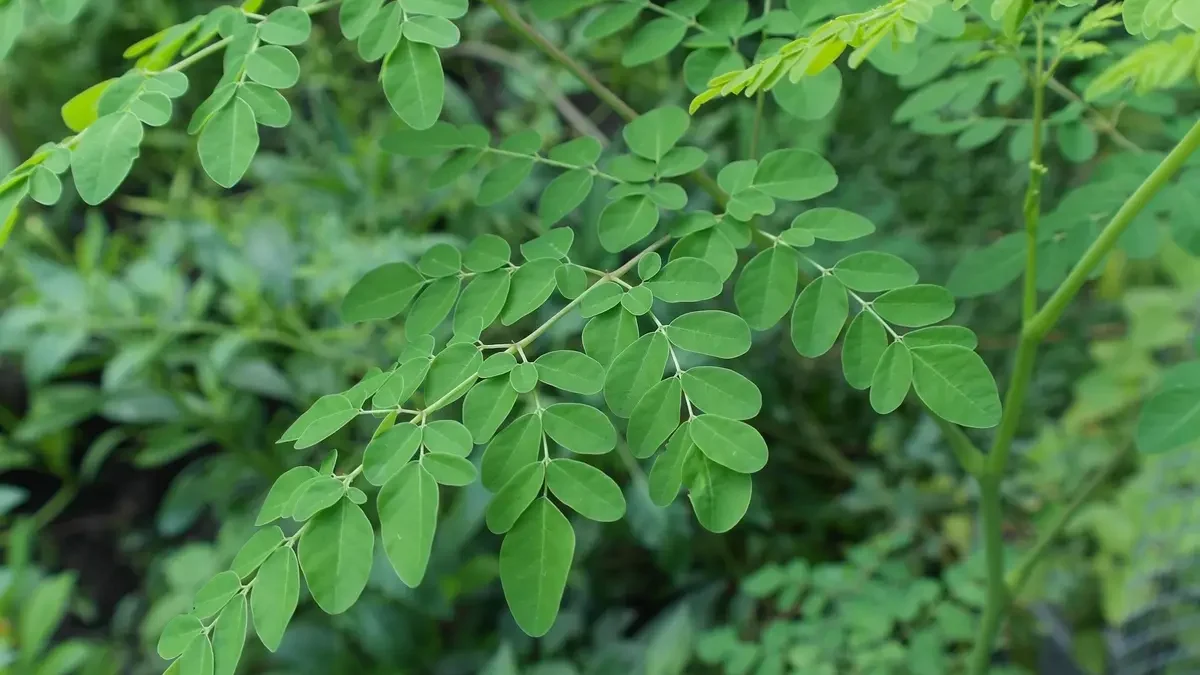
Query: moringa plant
475, 371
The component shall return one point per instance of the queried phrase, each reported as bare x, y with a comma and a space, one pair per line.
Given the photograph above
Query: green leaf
580, 428
563, 195
456, 365
719, 496
813, 97
515, 497
431, 30
408, 509
256, 550
215, 594
655, 133
515, 446
356, 15
979, 134
666, 476
730, 443
487, 406
382, 293
582, 151
336, 552
177, 635
432, 306
228, 143
669, 196
500, 363
104, 155
626, 221
414, 83
486, 253
915, 306
873, 271
649, 266
402, 383
710, 332
273, 66
229, 637
586, 489
483, 299
44, 607
198, 658
632, 169
638, 300
389, 452
941, 335
612, 19
503, 179
555, 244
832, 224
535, 560
571, 371
686, 280
152, 108
956, 385
680, 161
654, 418
531, 287
892, 378
382, 34
275, 595
287, 26
818, 316
44, 186
794, 175
989, 269
609, 334
447, 9
571, 280
449, 469
330, 413
282, 496
634, 371
767, 287
270, 108
1170, 418
448, 437
866, 339
721, 391
600, 298
440, 260
654, 40
317, 494
713, 247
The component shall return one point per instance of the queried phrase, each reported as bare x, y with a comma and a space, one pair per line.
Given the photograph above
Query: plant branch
968, 456
1102, 122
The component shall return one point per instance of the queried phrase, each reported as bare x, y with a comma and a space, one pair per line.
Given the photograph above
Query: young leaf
432, 306
653, 134
408, 506
515, 497
571, 371
721, 391
281, 498
535, 559
710, 332
389, 452
586, 489
956, 385
719, 495
767, 287
382, 293
730, 443
532, 285
275, 595
649, 265
414, 83
794, 175
866, 339
626, 221
487, 406
580, 428
818, 316
634, 371
654, 418
686, 280
915, 306
872, 272
104, 155
229, 637
515, 446
336, 552
483, 299
666, 476
449, 469
609, 334
892, 378
256, 550
832, 224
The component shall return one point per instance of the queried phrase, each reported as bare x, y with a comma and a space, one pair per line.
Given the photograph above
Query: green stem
997, 593
968, 456
1033, 194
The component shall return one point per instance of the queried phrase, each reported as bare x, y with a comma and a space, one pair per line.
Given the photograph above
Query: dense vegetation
574, 336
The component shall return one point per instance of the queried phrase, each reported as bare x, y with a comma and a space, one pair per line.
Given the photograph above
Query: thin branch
1103, 123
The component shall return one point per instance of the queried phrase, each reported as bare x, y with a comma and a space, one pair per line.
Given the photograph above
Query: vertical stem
760, 99
1033, 194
